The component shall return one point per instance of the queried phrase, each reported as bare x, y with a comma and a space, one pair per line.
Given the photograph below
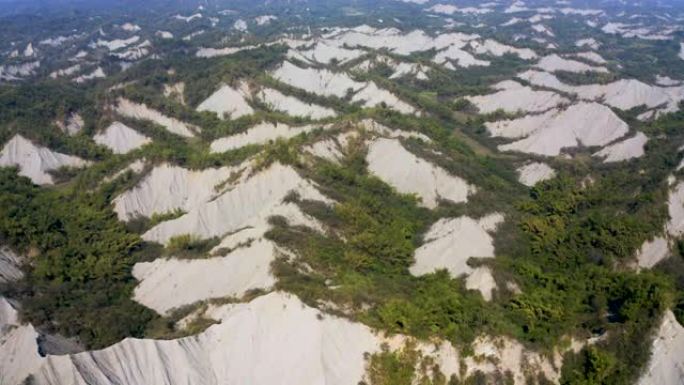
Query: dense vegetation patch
407, 366
566, 248
567, 243
78, 278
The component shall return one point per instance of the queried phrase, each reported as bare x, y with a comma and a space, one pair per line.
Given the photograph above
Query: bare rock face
325, 53
11, 72
589, 124
133, 110
623, 94
151, 195
514, 97
72, 125
275, 339
18, 347
227, 101
667, 354
450, 242
553, 63
675, 206
232, 204
652, 252
166, 284
328, 83
34, 161
391, 162
482, 280
624, 150
97, 73
248, 203
321, 82
293, 106
535, 172
10, 266
121, 139
658, 249
262, 133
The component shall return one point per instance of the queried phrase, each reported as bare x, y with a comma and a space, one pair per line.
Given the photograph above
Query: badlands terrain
310, 192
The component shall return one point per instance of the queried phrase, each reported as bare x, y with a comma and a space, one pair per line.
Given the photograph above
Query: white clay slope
533, 173
655, 250
10, 266
333, 149
169, 283
389, 38
265, 19
18, 348
409, 69
321, 82
553, 63
492, 354
590, 42
227, 101
481, 279
327, 83
459, 56
262, 133
624, 150
72, 125
675, 206
34, 161
666, 366
140, 111
629, 93
97, 73
240, 25
514, 97
168, 188
392, 163
164, 34
451, 44
592, 57
252, 200
120, 138
327, 149
293, 106
493, 47
71, 70
372, 96
135, 167
652, 252
449, 9
325, 53
588, 124
273, 340
241, 262
667, 81
373, 126
17, 71
624, 94
450, 242
210, 52
175, 91
117, 44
